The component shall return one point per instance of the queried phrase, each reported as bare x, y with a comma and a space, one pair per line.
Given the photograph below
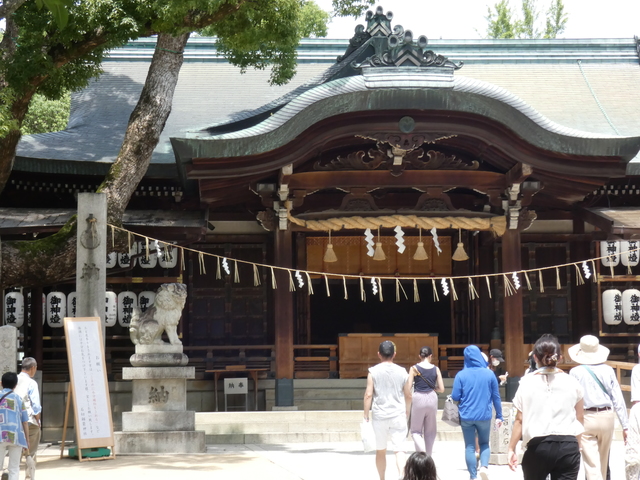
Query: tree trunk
53, 259
145, 125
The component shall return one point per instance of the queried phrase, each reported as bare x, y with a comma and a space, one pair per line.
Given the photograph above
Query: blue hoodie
475, 387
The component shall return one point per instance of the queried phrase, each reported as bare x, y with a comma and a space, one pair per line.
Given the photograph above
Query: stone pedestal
8, 349
500, 438
159, 421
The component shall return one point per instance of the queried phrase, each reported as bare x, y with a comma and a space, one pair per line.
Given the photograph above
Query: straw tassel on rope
421, 253
182, 262
379, 253
256, 276
595, 272
330, 255
436, 298
454, 294
309, 283
541, 281
274, 285
416, 294
526, 277
236, 272
146, 248
579, 278
292, 285
363, 295
344, 283
558, 284
203, 270
398, 288
508, 286
326, 284
488, 286
380, 289
460, 255
218, 272
113, 237
473, 293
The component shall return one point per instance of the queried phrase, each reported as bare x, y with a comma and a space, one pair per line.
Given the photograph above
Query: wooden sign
88, 388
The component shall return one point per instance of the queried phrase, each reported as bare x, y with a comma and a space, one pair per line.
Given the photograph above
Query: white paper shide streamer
445, 286
436, 242
368, 236
399, 239
586, 270
612, 306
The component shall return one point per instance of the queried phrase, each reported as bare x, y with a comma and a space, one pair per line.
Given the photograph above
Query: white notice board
90, 390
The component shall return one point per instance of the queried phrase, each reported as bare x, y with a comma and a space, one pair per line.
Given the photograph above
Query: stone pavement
294, 461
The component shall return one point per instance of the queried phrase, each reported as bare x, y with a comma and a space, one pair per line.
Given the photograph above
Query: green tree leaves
58, 8
503, 23
46, 115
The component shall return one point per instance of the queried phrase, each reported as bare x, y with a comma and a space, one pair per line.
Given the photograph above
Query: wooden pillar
515, 351
283, 306
35, 347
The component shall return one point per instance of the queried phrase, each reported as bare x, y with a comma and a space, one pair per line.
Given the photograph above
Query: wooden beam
515, 350
519, 173
283, 305
420, 179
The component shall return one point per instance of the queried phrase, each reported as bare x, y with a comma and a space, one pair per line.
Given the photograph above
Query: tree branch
8, 7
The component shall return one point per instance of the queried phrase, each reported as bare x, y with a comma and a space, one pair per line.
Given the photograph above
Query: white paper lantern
72, 304
112, 259
111, 309
56, 309
147, 262
125, 260
167, 256
631, 306
612, 306
611, 248
145, 300
14, 309
127, 301
629, 252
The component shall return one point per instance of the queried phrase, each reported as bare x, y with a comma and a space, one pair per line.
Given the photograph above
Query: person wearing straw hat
602, 395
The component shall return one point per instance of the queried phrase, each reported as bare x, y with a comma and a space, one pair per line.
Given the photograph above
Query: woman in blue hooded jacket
476, 388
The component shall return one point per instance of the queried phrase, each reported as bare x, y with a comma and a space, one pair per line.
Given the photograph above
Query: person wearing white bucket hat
602, 395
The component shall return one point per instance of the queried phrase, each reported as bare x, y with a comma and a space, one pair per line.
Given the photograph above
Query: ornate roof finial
402, 51
379, 24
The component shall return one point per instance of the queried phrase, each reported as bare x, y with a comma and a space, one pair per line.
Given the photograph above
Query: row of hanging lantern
57, 305
620, 251
375, 251
621, 306
150, 256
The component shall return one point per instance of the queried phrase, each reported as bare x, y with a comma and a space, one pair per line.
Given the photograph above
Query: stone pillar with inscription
8, 349
159, 421
91, 264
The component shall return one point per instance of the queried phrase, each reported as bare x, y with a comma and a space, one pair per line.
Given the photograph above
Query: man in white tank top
385, 398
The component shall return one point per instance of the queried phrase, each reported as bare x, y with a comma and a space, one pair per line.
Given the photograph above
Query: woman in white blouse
549, 418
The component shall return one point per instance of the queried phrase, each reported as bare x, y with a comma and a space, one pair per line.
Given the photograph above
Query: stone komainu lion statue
163, 316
